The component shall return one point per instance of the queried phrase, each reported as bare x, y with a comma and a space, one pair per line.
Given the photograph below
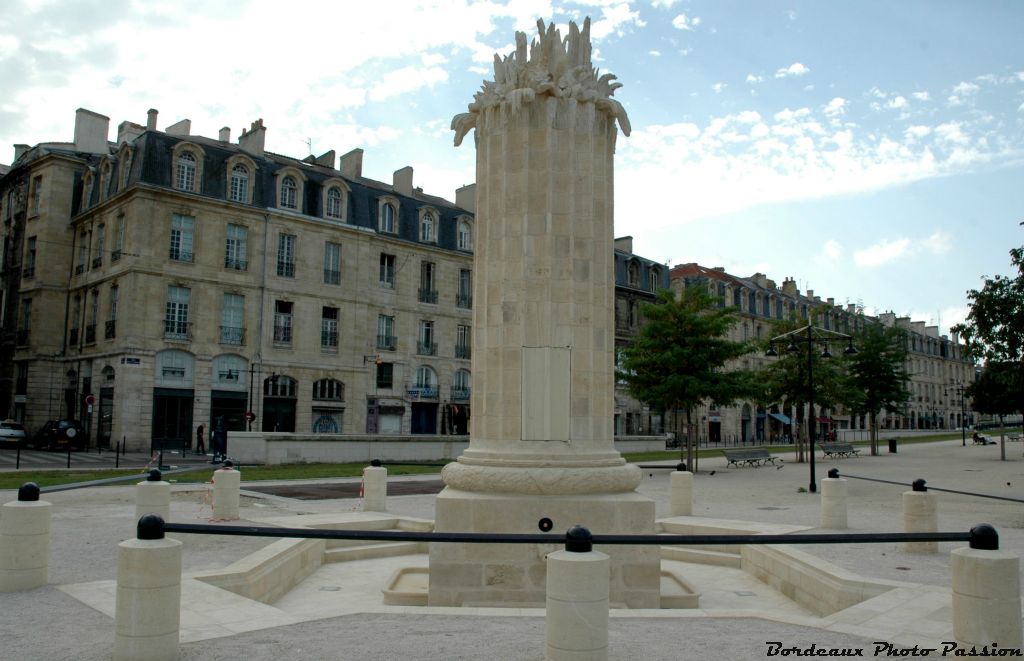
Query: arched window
230, 372
174, 369
185, 178
427, 224
387, 218
239, 183
289, 192
329, 390
460, 385
279, 385
334, 199
465, 235
425, 377
108, 374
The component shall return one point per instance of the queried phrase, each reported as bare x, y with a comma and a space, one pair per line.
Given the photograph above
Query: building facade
168, 280
936, 364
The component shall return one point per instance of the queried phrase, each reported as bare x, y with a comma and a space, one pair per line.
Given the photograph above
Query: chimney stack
151, 119
183, 128
402, 181
351, 164
253, 140
19, 151
465, 197
91, 132
225, 134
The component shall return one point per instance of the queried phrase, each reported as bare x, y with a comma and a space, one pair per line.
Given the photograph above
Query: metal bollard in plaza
681, 492
833, 501
986, 593
920, 514
147, 615
577, 600
25, 541
153, 496
375, 487
226, 484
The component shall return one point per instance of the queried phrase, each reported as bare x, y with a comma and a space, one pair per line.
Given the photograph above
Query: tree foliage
677, 357
786, 378
998, 391
877, 373
994, 328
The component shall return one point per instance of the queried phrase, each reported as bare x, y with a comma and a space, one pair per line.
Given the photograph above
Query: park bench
748, 457
839, 450
978, 439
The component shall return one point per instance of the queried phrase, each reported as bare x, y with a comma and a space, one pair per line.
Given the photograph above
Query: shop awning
784, 419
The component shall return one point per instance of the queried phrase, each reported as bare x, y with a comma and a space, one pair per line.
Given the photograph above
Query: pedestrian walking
200, 443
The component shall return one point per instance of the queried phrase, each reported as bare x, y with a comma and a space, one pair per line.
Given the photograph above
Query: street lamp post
811, 336
957, 388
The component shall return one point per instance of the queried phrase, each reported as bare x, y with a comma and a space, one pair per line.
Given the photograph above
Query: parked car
60, 435
11, 432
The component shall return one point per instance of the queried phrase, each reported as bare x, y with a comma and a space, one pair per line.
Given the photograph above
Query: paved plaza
338, 613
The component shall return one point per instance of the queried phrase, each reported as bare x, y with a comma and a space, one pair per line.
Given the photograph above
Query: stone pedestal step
365, 551
701, 556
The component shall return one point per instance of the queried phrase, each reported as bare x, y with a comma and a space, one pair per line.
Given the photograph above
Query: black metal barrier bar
931, 488
508, 538
115, 480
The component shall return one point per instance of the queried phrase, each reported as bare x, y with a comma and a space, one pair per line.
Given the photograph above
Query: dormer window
465, 236
388, 216
633, 274
289, 192
185, 178
427, 228
334, 197
240, 183
653, 280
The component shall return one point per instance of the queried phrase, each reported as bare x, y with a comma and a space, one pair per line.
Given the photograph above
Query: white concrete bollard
833, 503
25, 541
986, 595
226, 484
577, 604
375, 489
147, 614
920, 514
681, 493
153, 496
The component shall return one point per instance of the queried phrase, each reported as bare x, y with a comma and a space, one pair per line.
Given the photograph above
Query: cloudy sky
873, 151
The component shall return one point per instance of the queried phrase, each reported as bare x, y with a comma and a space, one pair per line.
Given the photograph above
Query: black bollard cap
376, 463
154, 475
228, 464
579, 540
28, 492
681, 467
833, 473
985, 537
151, 526
919, 485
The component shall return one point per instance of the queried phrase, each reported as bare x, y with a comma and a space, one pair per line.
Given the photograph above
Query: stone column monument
541, 442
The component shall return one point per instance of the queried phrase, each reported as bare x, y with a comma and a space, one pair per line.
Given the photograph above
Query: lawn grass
50, 478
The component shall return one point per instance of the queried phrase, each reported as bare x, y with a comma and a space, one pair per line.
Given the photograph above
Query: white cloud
914, 133
963, 93
795, 69
655, 53
881, 253
682, 22
663, 4
832, 249
718, 87
939, 243
615, 19
751, 78
406, 79
835, 107
898, 103
922, 96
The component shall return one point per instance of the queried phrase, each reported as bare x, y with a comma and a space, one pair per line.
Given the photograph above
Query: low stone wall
277, 448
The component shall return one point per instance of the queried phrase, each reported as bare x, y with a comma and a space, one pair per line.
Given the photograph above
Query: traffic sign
250, 416
90, 399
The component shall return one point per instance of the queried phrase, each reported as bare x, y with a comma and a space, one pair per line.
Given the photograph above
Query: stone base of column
148, 607
986, 598
514, 575
24, 545
226, 497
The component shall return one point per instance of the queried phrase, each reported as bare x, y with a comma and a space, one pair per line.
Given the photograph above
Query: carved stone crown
555, 67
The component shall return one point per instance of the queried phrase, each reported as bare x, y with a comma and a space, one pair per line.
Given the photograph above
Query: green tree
998, 392
786, 379
994, 328
678, 357
878, 374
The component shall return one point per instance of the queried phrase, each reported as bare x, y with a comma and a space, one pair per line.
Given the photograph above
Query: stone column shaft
986, 598
226, 497
24, 545
681, 493
833, 503
375, 489
577, 606
920, 514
